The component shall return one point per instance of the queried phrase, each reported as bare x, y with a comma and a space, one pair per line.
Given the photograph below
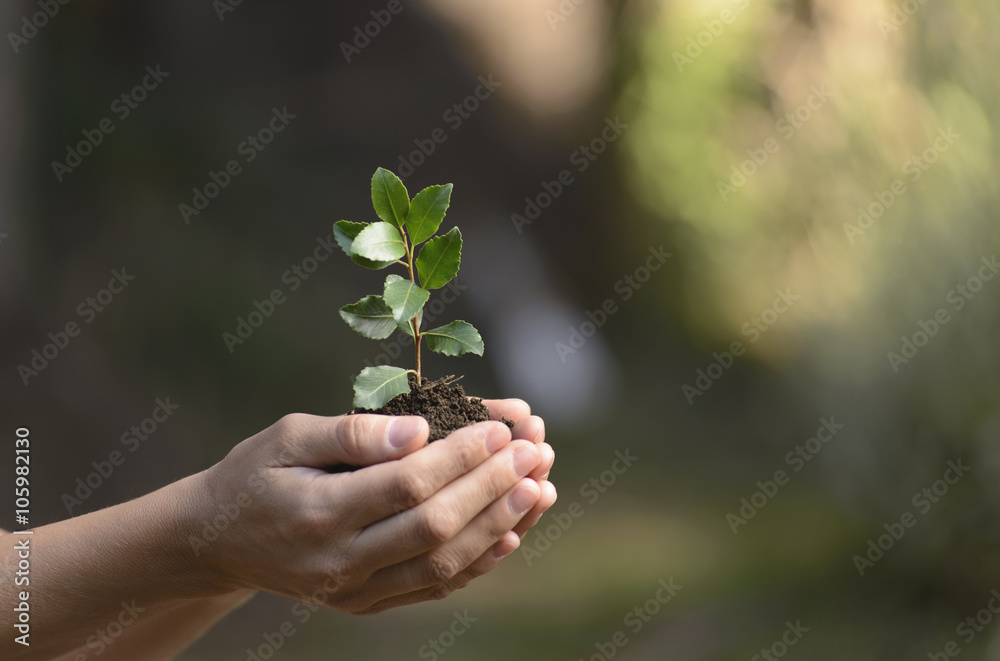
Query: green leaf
455, 339
427, 211
405, 299
371, 317
389, 197
379, 242
375, 386
405, 324
344, 231
439, 260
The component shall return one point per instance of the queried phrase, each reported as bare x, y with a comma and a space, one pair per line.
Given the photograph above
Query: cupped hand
416, 523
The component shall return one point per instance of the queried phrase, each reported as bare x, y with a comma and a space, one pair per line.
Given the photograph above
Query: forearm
100, 574
164, 635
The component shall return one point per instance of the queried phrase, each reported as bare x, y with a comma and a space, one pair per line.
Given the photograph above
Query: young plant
406, 224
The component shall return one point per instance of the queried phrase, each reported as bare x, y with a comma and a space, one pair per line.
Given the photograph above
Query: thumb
357, 440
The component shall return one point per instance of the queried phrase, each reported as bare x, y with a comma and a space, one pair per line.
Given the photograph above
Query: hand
418, 522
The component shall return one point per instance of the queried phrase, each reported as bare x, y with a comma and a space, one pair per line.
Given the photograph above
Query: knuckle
468, 454
314, 519
439, 592
412, 488
350, 431
435, 526
441, 569
338, 572
309, 523
285, 435
289, 424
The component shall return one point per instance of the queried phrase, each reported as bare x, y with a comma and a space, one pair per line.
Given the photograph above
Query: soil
443, 403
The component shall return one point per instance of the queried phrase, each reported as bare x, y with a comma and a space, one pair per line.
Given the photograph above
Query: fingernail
402, 430
521, 501
525, 459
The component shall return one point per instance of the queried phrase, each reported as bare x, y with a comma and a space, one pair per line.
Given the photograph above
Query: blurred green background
838, 155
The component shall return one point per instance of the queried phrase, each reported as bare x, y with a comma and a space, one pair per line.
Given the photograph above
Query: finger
509, 543
355, 440
548, 457
530, 428
512, 409
482, 565
485, 563
439, 519
545, 501
390, 488
440, 566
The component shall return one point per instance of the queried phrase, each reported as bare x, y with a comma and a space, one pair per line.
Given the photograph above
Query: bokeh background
839, 97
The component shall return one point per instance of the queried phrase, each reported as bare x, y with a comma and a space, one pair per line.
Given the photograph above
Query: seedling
406, 224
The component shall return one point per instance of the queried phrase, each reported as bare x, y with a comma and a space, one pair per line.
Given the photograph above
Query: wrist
182, 541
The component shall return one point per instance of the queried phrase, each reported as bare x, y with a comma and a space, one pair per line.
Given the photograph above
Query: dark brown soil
442, 403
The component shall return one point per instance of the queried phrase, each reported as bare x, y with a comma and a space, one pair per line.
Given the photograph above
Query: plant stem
415, 322
417, 343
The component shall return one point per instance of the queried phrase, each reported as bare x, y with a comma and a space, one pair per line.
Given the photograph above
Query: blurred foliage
794, 223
